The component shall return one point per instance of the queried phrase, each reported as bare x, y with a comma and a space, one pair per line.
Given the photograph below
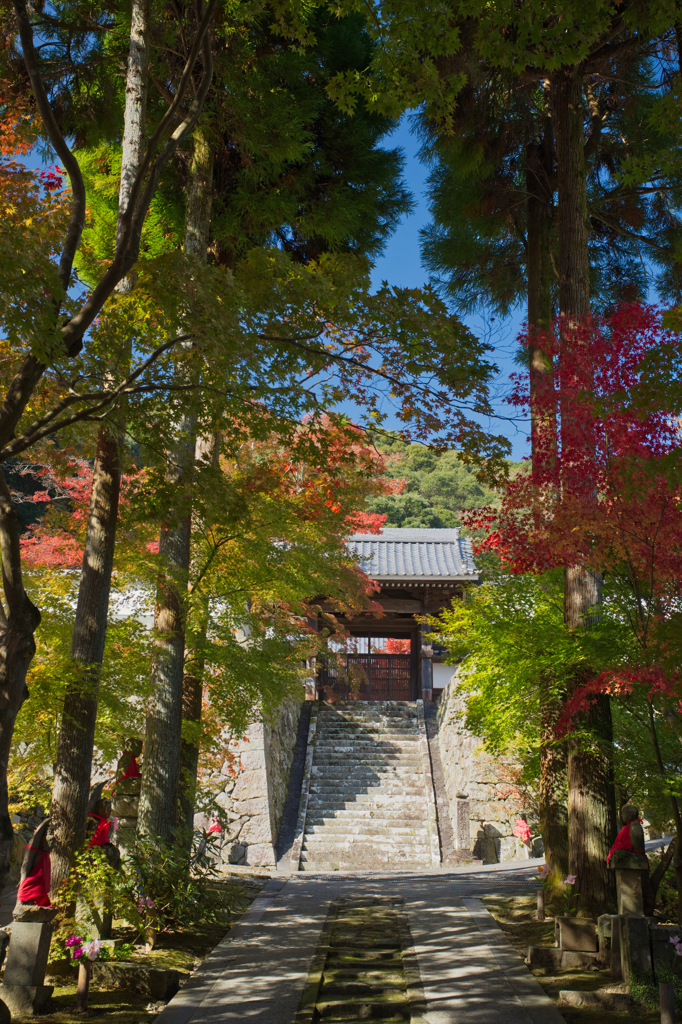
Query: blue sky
400, 265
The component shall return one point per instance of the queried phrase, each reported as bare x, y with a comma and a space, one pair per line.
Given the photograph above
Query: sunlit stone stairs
368, 807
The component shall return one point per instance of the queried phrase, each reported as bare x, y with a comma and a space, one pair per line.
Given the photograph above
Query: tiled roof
414, 554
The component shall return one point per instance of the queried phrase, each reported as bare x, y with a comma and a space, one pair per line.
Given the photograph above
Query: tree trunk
592, 809
19, 619
159, 794
77, 733
591, 801
539, 171
135, 116
68, 810
553, 809
192, 693
158, 812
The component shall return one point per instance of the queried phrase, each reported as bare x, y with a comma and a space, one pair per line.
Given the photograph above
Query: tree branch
132, 221
77, 221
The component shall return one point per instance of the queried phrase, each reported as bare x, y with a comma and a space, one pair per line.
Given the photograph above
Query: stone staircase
370, 800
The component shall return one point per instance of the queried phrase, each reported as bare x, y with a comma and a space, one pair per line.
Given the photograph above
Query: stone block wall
495, 800
254, 799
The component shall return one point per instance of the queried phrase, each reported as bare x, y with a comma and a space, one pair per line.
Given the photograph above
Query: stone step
388, 815
371, 735
403, 744
349, 790
372, 801
330, 845
367, 799
382, 851
353, 752
362, 770
347, 829
373, 728
371, 861
368, 728
368, 758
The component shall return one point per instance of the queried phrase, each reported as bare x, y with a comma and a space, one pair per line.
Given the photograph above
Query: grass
181, 949
514, 915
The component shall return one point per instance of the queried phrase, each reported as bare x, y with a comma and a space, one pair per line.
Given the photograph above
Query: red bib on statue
35, 888
101, 835
623, 842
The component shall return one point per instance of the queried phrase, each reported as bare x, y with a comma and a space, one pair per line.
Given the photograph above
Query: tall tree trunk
591, 800
553, 808
159, 793
539, 188
68, 810
71, 789
19, 619
158, 810
192, 693
193, 684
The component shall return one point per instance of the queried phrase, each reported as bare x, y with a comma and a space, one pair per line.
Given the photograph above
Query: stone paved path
469, 972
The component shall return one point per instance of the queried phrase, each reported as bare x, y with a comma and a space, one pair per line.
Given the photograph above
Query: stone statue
628, 859
33, 898
126, 794
99, 825
628, 850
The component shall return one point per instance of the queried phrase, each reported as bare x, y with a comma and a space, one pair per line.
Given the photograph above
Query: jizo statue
628, 850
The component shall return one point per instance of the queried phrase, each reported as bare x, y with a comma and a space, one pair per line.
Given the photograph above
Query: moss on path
514, 915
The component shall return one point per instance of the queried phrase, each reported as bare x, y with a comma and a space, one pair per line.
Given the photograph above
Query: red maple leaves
604, 488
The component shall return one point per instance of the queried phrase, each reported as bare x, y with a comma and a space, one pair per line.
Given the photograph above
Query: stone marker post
666, 994
23, 988
427, 673
635, 947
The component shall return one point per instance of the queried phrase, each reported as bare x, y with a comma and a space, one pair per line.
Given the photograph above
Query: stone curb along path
440, 958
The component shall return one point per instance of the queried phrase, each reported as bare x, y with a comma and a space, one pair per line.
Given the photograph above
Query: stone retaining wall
495, 800
254, 800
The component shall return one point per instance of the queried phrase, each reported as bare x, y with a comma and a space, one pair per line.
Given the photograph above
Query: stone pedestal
629, 887
23, 990
576, 933
608, 940
631, 867
29, 949
635, 948
26, 1000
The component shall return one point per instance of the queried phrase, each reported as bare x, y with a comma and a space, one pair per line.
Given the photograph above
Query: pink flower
92, 949
570, 879
151, 905
522, 830
73, 940
76, 952
677, 943
544, 870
